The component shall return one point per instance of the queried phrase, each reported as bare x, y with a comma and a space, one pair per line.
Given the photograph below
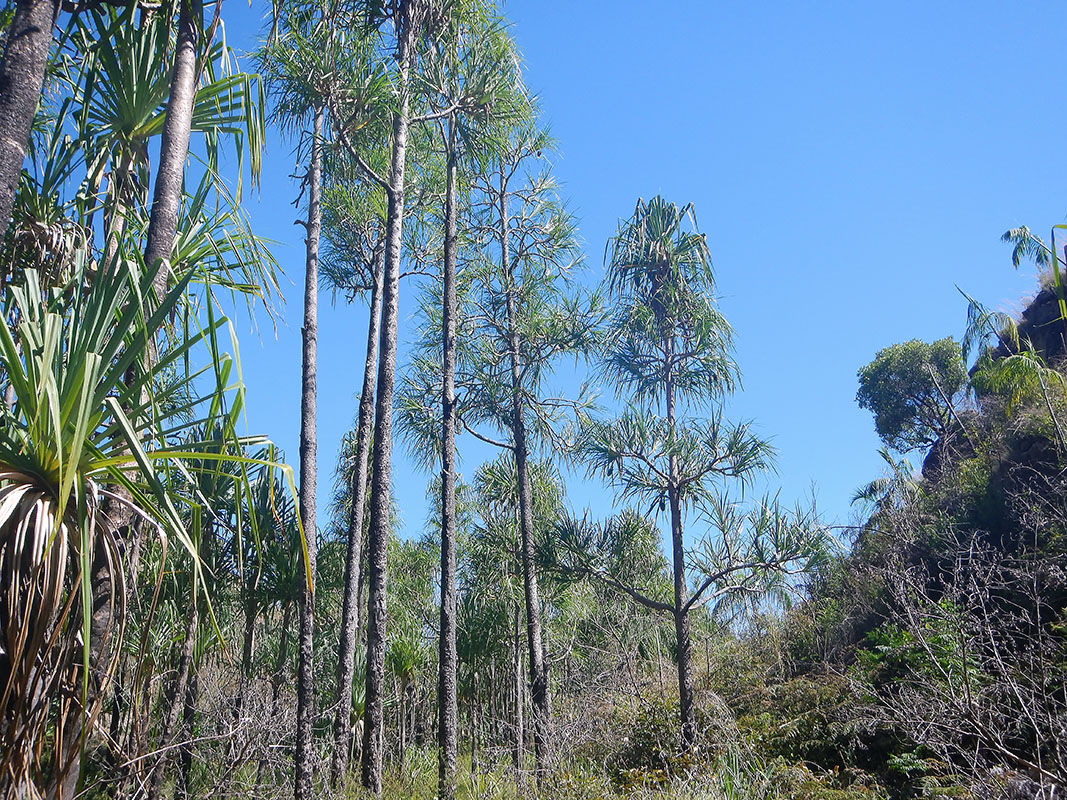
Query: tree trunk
174, 144
29, 38
105, 625
494, 718
473, 706
305, 683
681, 615
446, 675
538, 674
248, 646
346, 659
185, 752
371, 772
401, 693
519, 750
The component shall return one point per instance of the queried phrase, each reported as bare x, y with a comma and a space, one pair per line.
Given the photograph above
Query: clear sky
851, 164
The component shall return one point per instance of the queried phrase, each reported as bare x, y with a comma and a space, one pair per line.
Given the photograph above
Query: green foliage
910, 389
666, 327
650, 753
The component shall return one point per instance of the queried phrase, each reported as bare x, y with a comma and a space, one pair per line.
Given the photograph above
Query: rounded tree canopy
910, 389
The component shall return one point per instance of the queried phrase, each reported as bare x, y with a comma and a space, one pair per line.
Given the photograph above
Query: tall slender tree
544, 319
473, 73
359, 231
668, 347
411, 22
298, 62
536, 324
305, 692
447, 710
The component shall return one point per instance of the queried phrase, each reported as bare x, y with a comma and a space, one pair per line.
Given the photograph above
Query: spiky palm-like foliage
86, 427
667, 348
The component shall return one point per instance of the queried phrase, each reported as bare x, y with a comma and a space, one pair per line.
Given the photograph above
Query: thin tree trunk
494, 718
446, 676
346, 659
473, 706
400, 722
305, 683
166, 198
185, 752
371, 772
174, 144
29, 38
248, 646
538, 674
519, 750
681, 616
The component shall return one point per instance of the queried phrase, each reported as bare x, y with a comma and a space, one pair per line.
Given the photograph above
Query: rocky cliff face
1043, 325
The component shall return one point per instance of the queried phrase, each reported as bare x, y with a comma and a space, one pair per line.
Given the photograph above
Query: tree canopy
911, 389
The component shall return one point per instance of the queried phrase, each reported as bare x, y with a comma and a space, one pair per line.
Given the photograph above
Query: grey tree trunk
346, 660
21, 80
686, 705
248, 645
174, 143
446, 676
27, 51
519, 749
538, 674
373, 742
305, 681
182, 785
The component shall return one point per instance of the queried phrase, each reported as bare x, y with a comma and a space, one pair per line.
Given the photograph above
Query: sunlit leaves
633, 451
910, 389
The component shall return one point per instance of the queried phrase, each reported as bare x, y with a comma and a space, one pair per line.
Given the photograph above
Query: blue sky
850, 163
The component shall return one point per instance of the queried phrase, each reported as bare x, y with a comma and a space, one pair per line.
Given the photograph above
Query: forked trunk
346, 658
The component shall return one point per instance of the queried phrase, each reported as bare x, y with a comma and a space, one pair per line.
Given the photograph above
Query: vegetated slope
932, 660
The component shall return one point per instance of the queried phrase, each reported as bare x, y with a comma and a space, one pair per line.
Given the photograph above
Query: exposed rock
1042, 324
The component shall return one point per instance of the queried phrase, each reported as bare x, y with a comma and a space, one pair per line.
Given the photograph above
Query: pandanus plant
85, 443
